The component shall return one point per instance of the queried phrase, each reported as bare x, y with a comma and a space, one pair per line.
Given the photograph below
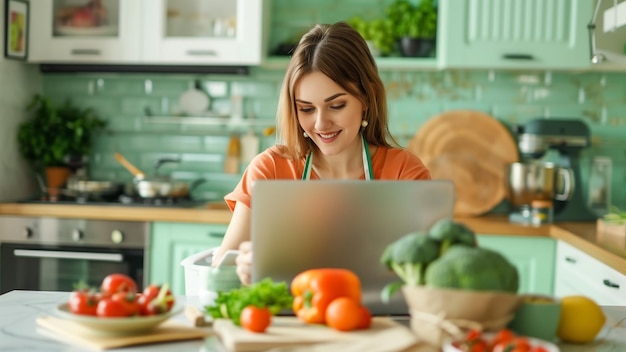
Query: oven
54, 254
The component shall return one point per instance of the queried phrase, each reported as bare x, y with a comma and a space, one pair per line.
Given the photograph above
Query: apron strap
367, 163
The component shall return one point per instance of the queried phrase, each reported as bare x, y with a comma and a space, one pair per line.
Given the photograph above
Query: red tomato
83, 302
110, 308
114, 283
479, 345
517, 344
503, 336
343, 314
128, 301
538, 349
150, 304
365, 320
255, 319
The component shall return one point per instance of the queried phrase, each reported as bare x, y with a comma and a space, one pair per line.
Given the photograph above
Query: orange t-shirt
387, 164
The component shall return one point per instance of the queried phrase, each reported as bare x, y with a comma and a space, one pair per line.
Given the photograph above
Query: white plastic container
204, 281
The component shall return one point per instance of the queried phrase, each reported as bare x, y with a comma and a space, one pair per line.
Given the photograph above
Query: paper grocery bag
439, 315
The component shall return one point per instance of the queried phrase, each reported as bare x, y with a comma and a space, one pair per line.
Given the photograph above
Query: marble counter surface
19, 332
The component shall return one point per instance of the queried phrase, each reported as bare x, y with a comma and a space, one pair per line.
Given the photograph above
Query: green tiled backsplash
512, 97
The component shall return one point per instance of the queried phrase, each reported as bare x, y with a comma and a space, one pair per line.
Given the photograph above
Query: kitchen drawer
532, 256
579, 273
171, 242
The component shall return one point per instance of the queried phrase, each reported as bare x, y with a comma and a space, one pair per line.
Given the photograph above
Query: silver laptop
299, 225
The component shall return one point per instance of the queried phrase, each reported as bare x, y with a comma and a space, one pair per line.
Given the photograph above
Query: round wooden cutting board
472, 149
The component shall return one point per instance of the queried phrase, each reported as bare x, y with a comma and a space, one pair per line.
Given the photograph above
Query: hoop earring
305, 135
364, 123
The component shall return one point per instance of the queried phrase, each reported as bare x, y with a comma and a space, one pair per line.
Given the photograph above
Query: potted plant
54, 135
415, 26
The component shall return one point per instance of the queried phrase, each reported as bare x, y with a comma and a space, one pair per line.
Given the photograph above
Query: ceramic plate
117, 326
550, 347
86, 31
194, 102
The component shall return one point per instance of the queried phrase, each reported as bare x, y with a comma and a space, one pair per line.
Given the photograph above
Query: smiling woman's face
327, 113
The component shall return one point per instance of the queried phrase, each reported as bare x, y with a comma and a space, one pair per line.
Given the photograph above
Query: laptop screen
299, 225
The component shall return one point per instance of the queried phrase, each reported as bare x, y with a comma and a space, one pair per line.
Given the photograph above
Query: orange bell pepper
314, 289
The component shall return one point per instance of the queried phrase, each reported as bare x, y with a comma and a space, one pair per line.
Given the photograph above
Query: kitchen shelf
383, 63
218, 121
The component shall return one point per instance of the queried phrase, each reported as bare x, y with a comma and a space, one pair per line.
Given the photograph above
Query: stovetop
122, 200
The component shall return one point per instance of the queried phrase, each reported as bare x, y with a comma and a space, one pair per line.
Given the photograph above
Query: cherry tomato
343, 314
114, 283
255, 319
538, 349
502, 336
517, 344
128, 301
107, 307
365, 320
150, 304
83, 302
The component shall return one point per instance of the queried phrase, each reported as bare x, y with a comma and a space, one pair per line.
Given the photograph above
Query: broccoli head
409, 256
450, 233
472, 268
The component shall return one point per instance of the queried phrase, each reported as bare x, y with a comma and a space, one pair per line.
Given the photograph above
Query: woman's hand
244, 262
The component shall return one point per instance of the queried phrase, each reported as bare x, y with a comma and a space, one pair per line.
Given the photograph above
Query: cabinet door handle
570, 260
86, 52
217, 234
609, 283
518, 57
201, 53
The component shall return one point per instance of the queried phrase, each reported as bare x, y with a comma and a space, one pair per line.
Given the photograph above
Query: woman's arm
238, 230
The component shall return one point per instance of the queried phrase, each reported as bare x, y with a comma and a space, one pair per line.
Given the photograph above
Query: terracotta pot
56, 176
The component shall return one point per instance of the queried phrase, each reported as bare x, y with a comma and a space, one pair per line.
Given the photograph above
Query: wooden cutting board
289, 332
472, 149
71, 332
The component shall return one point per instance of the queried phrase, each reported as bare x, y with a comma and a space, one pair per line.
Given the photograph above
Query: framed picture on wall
16, 29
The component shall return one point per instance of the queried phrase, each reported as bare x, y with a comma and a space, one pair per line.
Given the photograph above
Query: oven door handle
107, 257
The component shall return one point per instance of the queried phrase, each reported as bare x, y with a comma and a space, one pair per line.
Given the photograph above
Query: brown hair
339, 52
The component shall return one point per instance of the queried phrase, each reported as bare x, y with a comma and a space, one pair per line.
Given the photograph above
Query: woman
332, 123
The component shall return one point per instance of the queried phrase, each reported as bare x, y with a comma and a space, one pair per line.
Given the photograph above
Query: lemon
581, 319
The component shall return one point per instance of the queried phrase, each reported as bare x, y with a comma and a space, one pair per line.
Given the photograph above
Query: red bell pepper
314, 289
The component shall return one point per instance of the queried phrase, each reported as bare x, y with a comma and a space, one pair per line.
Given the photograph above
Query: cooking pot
536, 180
157, 186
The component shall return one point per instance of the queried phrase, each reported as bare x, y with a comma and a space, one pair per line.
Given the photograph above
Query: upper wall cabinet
203, 32
159, 32
514, 34
81, 31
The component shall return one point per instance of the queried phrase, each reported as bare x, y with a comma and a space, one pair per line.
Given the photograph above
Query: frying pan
157, 186
86, 188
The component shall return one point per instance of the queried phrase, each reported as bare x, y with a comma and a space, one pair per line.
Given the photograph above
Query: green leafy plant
265, 293
414, 21
56, 132
378, 31
615, 215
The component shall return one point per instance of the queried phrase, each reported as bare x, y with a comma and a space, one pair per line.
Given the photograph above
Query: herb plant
56, 132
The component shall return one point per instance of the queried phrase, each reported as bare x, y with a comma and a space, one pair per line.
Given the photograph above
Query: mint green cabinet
514, 34
171, 242
532, 256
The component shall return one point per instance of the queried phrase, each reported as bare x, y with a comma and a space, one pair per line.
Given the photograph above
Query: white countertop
20, 309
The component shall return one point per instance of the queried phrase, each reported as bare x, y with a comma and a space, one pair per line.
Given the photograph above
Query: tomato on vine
114, 283
83, 302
